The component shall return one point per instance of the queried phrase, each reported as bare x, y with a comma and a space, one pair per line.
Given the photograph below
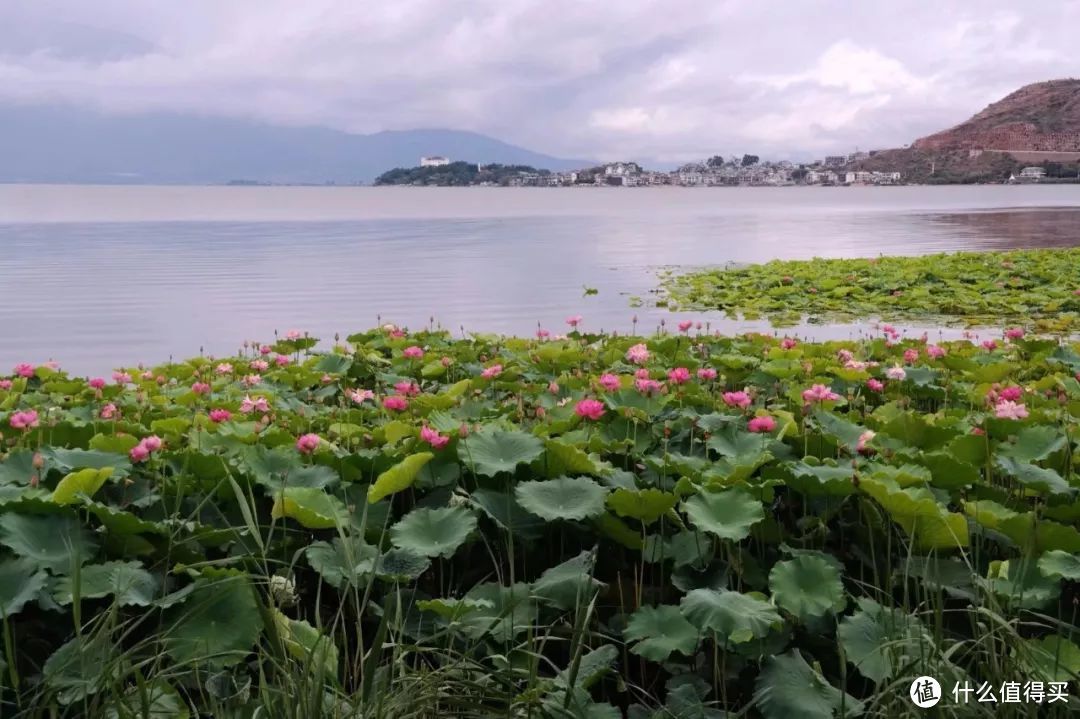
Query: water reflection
94, 294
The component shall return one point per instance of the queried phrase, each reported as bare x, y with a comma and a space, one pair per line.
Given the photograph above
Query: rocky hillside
1039, 124
1042, 117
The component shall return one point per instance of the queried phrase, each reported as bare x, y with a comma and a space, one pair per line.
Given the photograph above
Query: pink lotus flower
493, 371
147, 375
432, 437
139, 453
685, 325
875, 385
1010, 393
819, 393
446, 361
265, 350
610, 382
1007, 409
259, 365
911, 356
1014, 333
218, 416
258, 404
282, 360
648, 386
573, 320
24, 420
97, 383
788, 343
845, 355
542, 334
293, 335
412, 352
409, 389
307, 443
108, 411
761, 424
989, 345
396, 402
200, 388
935, 351
679, 375
5, 384
737, 399
896, 372
641, 373
251, 380
121, 377
590, 409
359, 396
24, 370
553, 387
152, 443
638, 354
706, 374
865, 437
224, 368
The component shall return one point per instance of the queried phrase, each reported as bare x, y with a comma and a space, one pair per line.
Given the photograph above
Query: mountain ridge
58, 144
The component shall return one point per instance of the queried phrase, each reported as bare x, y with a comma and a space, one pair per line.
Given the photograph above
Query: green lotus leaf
566, 498
453, 609
789, 687
644, 505
128, 582
1057, 564
280, 468
153, 700
568, 585
736, 617
492, 451
433, 532
52, 542
114, 443
846, 434
660, 631
1034, 444
727, 514
83, 483
1038, 479
929, 524
564, 458
807, 586
333, 364
172, 428
21, 581
400, 565
816, 480
502, 612
1020, 583
121, 523
80, 668
948, 472
503, 508
1024, 529
343, 562
592, 666
311, 507
881, 642
217, 624
399, 477
306, 644
737, 444
1052, 658
68, 459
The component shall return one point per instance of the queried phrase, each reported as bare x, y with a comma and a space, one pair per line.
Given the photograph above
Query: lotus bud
38, 461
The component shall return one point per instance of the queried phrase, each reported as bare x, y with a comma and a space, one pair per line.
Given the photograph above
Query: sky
671, 80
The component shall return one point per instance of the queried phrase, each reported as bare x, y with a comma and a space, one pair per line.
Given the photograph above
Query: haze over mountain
70, 144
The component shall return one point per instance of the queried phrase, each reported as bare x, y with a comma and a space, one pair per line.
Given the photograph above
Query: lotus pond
594, 526
972, 288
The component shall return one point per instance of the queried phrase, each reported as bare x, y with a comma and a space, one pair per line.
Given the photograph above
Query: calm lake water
97, 276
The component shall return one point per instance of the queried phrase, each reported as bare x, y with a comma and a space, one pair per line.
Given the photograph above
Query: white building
434, 161
1032, 173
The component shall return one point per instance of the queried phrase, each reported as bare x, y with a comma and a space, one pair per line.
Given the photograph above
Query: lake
95, 276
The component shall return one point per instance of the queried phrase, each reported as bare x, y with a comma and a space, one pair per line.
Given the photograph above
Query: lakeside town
717, 171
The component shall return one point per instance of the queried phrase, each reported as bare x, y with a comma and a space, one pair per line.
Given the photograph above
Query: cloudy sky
668, 80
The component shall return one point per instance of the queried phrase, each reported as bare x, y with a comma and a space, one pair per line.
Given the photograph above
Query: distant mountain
65, 144
1039, 124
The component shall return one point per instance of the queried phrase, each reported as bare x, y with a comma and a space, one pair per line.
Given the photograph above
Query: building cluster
714, 172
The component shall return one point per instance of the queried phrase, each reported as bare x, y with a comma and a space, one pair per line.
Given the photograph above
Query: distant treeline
457, 174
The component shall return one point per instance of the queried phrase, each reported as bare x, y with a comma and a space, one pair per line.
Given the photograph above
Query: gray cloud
671, 80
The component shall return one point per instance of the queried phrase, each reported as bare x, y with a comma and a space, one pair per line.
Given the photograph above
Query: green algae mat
969, 288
